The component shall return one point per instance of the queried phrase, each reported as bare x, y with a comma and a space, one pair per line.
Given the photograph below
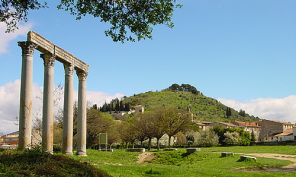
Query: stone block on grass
192, 150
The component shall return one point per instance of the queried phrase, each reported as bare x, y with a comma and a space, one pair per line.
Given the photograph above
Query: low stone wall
192, 150
135, 150
109, 150
173, 149
225, 154
244, 158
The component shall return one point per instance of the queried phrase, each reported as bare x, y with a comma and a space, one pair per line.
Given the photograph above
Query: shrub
206, 138
232, 138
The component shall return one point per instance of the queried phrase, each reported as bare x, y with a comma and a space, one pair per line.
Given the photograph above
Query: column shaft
25, 114
68, 110
81, 122
48, 103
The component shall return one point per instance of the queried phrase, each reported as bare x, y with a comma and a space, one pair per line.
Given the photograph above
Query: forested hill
203, 108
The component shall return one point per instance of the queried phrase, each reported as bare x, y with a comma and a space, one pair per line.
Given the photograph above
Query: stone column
81, 122
48, 103
25, 114
68, 110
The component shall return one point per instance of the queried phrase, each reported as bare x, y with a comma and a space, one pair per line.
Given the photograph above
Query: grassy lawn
204, 163
289, 150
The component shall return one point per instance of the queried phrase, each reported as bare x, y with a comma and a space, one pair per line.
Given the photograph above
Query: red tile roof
287, 132
247, 124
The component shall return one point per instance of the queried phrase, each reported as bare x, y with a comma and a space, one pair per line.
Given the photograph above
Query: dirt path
146, 156
288, 168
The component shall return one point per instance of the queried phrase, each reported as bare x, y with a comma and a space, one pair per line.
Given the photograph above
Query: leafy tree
126, 17
97, 122
184, 87
146, 127
242, 113
121, 106
232, 138
95, 106
127, 107
176, 120
206, 138
117, 105
228, 112
175, 87
127, 132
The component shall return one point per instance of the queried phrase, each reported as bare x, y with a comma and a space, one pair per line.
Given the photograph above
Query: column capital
81, 75
27, 47
69, 68
48, 59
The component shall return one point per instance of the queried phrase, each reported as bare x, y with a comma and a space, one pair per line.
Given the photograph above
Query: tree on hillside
126, 17
184, 88
228, 112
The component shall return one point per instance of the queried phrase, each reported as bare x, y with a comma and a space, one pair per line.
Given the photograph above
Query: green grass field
205, 163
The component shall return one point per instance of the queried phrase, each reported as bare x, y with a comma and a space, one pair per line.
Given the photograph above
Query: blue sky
233, 50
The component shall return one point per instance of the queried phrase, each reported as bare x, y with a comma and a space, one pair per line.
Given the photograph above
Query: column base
81, 153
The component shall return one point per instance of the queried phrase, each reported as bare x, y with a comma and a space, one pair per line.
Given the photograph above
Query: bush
206, 138
232, 138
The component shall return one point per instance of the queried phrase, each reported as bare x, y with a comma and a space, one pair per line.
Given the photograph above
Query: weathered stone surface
171, 149
192, 150
51, 53
135, 150
225, 154
25, 113
109, 150
243, 158
45, 46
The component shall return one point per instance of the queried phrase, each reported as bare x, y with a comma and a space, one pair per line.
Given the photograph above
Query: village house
119, 115
272, 130
11, 140
249, 127
224, 124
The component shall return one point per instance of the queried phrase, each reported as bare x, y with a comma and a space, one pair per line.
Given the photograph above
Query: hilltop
203, 108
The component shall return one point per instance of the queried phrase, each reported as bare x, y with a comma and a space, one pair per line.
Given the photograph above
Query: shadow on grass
151, 172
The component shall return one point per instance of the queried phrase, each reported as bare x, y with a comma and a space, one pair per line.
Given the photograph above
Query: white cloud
282, 109
7, 37
9, 103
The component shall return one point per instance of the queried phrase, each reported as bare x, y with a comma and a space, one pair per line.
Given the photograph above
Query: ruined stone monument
51, 53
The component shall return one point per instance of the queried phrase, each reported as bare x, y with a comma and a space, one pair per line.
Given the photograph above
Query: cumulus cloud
7, 37
10, 96
281, 109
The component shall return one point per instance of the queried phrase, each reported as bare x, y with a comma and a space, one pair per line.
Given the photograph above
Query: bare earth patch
288, 168
144, 157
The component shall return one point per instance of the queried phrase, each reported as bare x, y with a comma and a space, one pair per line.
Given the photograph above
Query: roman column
81, 122
25, 114
48, 103
68, 110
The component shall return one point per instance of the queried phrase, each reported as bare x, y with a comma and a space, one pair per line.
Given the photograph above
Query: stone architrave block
192, 150
172, 149
243, 158
109, 150
45, 46
225, 154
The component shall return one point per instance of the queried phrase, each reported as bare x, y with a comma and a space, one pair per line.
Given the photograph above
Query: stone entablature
45, 46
